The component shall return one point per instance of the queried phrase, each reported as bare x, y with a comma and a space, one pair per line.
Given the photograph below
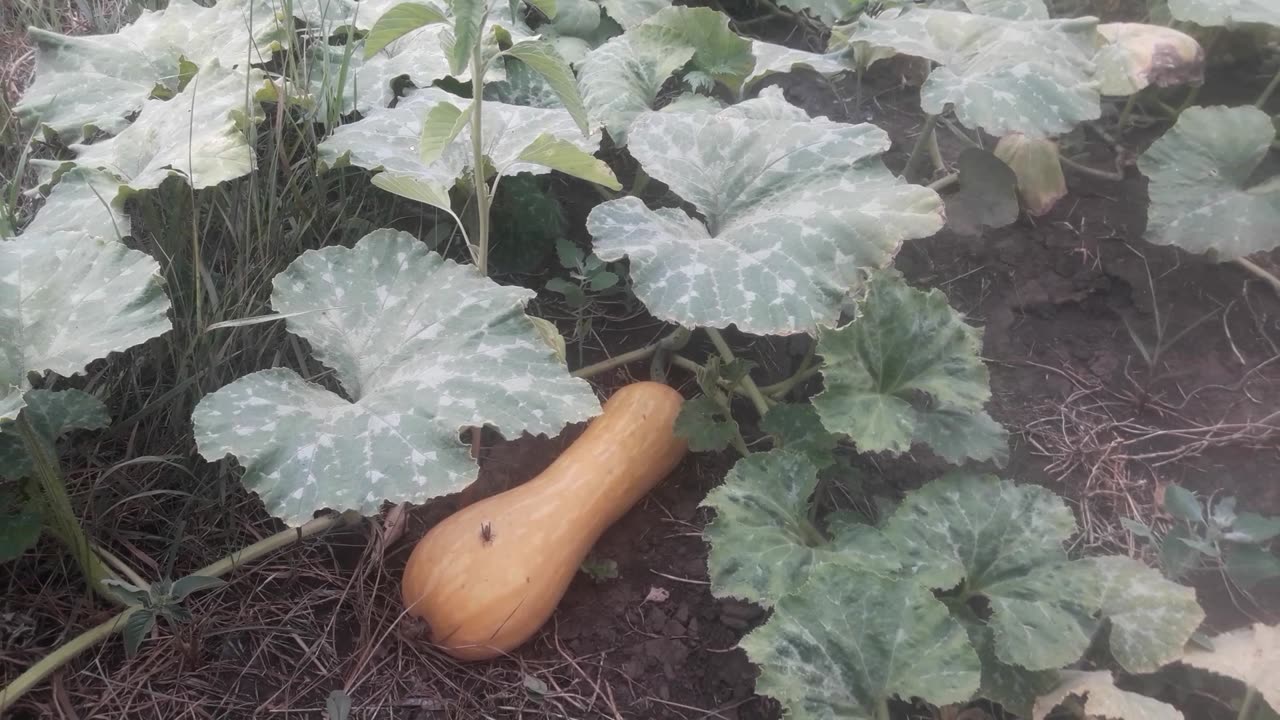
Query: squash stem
1261, 272
58, 514
674, 341
748, 385
477, 159
1267, 92
918, 150
68, 652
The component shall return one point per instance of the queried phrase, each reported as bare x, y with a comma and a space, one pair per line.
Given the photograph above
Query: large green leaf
1035, 77
1248, 654
1151, 617
96, 81
67, 299
782, 245
387, 140
718, 51
797, 428
1215, 13
1200, 171
1009, 9
199, 135
850, 641
1102, 699
400, 21
52, 415
828, 11
907, 370
620, 80
541, 56
631, 13
772, 59
422, 348
83, 198
764, 545
1015, 688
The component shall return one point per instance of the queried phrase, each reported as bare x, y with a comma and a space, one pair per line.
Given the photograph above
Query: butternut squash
487, 577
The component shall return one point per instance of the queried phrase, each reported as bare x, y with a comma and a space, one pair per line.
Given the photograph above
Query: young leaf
136, 629
781, 246
414, 188
570, 255
20, 523
603, 280
1133, 56
52, 415
422, 348
1200, 196
378, 141
1183, 504
906, 344
630, 13
542, 57
1253, 528
1038, 169
68, 299
184, 586
600, 570
1228, 13
988, 196
850, 641
763, 544
718, 50
399, 21
468, 21
706, 426
621, 79
1004, 76
1102, 699
1137, 528
1248, 565
440, 128
198, 135
572, 292
337, 706
1250, 655
797, 428
1177, 558
563, 156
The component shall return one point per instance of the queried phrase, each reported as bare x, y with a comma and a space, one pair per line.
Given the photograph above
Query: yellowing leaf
1250, 655
1133, 56
1035, 162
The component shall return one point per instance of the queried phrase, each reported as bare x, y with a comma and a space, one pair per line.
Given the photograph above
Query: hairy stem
58, 515
748, 385
1246, 706
1261, 272
676, 340
477, 160
918, 150
68, 652
802, 373
1070, 164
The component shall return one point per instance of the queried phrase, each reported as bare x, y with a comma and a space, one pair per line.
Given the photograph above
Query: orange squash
487, 577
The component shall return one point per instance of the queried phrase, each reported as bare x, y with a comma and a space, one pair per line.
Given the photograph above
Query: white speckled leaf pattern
98, 80
51, 414
771, 59
1102, 699
783, 245
1249, 654
1015, 688
904, 344
1009, 9
620, 80
828, 11
195, 135
388, 139
1214, 13
630, 13
422, 347
67, 299
83, 198
1199, 170
763, 545
1035, 77
837, 650
719, 52
1151, 617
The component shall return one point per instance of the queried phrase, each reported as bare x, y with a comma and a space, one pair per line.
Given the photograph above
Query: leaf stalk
748, 385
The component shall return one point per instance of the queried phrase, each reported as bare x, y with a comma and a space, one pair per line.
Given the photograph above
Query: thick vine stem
1268, 91
748, 385
918, 150
59, 516
477, 160
68, 652
1266, 275
674, 341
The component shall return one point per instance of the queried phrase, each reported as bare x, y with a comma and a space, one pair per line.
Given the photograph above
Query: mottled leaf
772, 59
1151, 617
630, 13
782, 246
828, 11
1200, 172
1015, 688
907, 370
718, 51
198, 135
51, 415
620, 80
542, 57
1034, 77
1009, 9
83, 199
1218, 13
1249, 654
421, 347
797, 428
1102, 699
67, 299
851, 640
